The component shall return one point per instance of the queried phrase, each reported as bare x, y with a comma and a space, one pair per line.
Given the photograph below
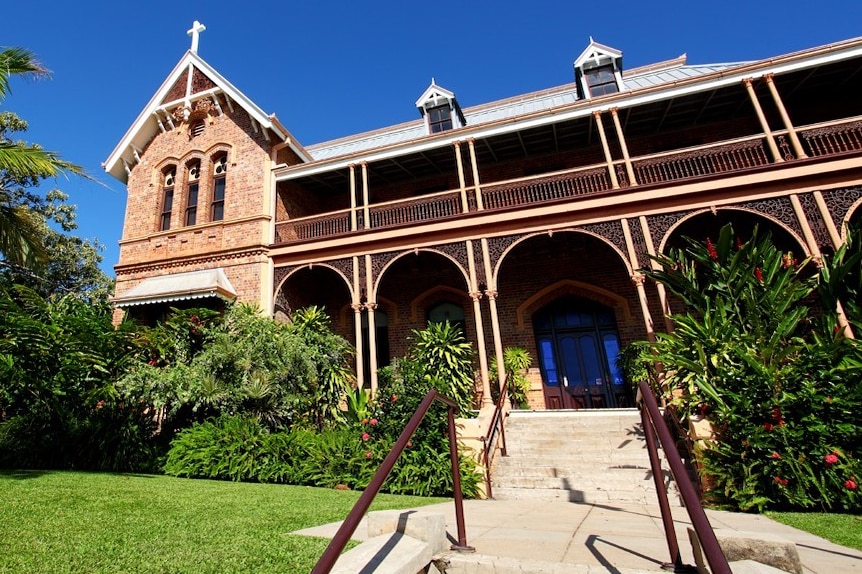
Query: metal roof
178, 287
649, 76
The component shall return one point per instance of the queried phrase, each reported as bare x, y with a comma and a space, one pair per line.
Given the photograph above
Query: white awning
178, 287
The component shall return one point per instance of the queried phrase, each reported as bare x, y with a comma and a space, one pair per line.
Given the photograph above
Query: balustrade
707, 161
834, 139
667, 167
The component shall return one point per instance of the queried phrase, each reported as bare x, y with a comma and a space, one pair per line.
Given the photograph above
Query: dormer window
440, 109
598, 71
439, 119
601, 81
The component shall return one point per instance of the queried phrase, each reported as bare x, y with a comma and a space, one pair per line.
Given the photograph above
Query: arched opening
321, 286
448, 311
578, 346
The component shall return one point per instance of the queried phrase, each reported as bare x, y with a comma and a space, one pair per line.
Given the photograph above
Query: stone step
454, 563
590, 496
568, 472
612, 482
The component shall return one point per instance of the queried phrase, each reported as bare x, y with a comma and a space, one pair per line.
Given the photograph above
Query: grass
844, 529
91, 522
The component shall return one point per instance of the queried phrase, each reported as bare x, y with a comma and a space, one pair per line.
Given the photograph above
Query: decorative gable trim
161, 115
435, 97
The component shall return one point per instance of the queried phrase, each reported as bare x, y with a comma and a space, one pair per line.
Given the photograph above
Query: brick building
525, 220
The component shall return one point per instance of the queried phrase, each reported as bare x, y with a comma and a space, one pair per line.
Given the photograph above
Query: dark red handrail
348, 527
653, 425
488, 444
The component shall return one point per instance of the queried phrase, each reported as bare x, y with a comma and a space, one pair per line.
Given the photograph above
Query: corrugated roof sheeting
505, 109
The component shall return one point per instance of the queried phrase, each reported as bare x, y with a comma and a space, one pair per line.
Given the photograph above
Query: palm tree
22, 165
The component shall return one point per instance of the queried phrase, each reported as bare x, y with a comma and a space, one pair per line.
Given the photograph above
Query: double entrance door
578, 346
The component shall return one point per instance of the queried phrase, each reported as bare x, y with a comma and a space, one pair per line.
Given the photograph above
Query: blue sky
330, 69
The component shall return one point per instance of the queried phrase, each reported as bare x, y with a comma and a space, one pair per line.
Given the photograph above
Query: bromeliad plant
779, 386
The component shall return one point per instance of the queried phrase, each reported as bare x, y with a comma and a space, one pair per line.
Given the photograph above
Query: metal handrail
488, 443
342, 537
653, 425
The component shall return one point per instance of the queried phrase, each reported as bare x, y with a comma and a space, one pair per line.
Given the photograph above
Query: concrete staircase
593, 456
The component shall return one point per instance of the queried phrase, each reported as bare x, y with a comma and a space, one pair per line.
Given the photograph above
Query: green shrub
780, 388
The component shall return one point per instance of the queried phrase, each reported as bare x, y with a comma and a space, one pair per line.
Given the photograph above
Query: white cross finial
195, 33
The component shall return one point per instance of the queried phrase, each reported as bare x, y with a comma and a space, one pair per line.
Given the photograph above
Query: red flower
776, 414
100, 404
758, 274
788, 260
781, 481
394, 398
767, 426
831, 458
373, 422
368, 454
850, 484
775, 455
365, 436
713, 254
364, 422
409, 443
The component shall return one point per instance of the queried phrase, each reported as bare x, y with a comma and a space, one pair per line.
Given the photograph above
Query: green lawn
90, 522
844, 529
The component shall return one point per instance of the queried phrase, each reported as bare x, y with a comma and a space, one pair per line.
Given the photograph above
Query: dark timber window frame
601, 80
192, 191
439, 118
219, 187
168, 179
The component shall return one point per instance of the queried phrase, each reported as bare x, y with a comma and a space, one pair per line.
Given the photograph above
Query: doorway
578, 346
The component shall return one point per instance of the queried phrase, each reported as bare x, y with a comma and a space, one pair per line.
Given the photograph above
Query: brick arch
290, 273
579, 289
802, 244
382, 272
606, 241
436, 294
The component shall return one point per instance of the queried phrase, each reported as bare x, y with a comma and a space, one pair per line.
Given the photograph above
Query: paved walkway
608, 537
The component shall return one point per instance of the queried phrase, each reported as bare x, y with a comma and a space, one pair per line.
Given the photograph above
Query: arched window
219, 187
193, 176
169, 176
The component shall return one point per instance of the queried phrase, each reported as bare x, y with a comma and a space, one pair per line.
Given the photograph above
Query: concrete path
611, 537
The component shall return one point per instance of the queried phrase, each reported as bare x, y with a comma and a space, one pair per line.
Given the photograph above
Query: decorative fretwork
610, 230
659, 225
641, 251
279, 274
381, 260
456, 250
498, 245
281, 306
622, 176
784, 148
815, 220
778, 208
344, 265
839, 202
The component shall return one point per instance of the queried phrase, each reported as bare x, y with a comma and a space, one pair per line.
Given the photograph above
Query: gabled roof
178, 287
596, 52
434, 95
176, 90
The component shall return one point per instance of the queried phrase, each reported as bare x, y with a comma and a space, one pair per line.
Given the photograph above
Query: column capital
614, 111
747, 81
491, 293
357, 307
475, 295
456, 144
769, 77
638, 279
371, 306
597, 113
